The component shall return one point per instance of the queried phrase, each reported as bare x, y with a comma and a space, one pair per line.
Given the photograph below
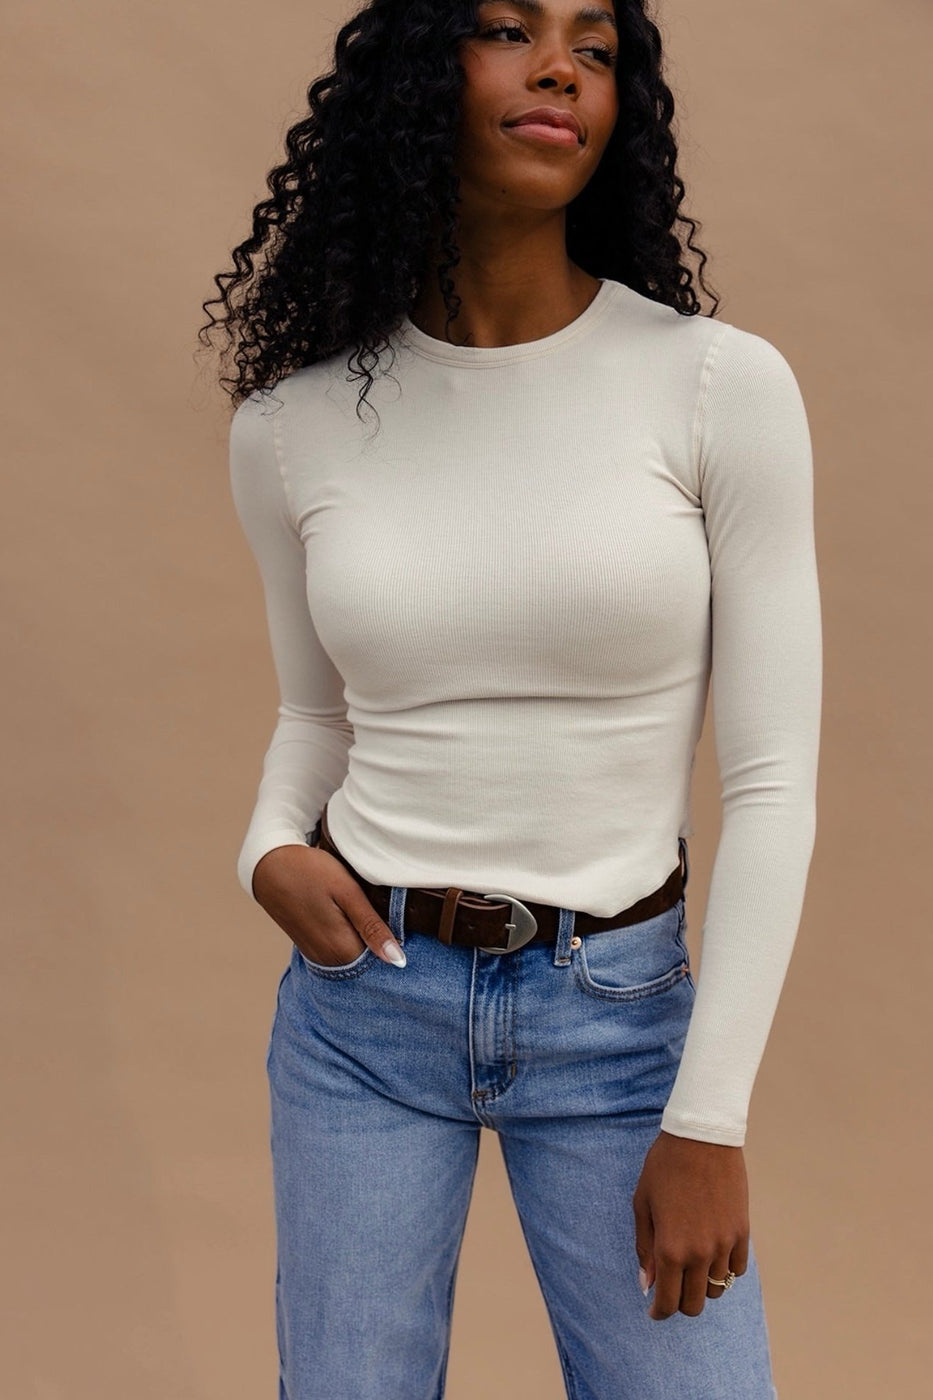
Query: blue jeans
381, 1080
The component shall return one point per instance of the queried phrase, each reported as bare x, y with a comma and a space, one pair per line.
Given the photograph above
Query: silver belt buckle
522, 926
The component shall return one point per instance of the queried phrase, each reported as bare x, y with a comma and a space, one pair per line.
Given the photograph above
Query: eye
603, 54
502, 29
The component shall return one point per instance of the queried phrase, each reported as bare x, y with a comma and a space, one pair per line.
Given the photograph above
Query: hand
691, 1219
314, 898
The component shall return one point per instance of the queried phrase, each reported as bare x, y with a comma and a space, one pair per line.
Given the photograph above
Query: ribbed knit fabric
494, 622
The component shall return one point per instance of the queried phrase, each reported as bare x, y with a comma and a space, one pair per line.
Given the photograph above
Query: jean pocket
353, 968
682, 945
637, 961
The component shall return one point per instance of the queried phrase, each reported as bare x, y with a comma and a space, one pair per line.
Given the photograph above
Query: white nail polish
643, 1282
394, 953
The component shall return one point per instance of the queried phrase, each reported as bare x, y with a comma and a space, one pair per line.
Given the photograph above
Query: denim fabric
381, 1080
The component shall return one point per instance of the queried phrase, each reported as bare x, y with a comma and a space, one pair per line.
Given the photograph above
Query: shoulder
639, 318
263, 423
718, 348
251, 430
749, 359
292, 389
747, 380
750, 423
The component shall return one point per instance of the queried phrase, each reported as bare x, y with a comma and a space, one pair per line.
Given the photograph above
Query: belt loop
445, 928
684, 859
565, 922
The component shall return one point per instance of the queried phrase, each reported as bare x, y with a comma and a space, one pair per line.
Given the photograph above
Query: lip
548, 116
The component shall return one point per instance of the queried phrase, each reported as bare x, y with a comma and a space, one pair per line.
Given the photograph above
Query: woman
494, 620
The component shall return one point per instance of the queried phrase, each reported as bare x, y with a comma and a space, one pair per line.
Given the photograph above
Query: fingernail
394, 953
643, 1281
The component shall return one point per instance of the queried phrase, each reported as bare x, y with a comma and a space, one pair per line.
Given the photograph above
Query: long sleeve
306, 760
756, 485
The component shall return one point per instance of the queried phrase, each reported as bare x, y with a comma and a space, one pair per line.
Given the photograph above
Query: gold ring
726, 1282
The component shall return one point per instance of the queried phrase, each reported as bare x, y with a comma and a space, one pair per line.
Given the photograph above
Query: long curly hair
365, 207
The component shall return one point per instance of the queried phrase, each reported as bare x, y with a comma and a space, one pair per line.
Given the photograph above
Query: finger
352, 900
738, 1259
693, 1292
668, 1285
718, 1266
644, 1242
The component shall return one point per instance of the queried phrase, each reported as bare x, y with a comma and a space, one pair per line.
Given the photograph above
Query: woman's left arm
755, 473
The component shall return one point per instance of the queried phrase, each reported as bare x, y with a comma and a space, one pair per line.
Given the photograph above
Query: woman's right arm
306, 891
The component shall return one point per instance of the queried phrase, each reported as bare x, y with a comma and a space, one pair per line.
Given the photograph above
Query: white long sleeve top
494, 622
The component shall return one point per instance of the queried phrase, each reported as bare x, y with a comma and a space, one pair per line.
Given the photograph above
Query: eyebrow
590, 14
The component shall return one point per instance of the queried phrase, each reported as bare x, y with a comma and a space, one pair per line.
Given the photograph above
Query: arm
756, 484
306, 760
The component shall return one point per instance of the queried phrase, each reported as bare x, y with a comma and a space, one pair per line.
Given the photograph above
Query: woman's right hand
314, 898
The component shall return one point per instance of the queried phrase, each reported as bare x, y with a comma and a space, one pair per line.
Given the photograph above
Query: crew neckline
481, 355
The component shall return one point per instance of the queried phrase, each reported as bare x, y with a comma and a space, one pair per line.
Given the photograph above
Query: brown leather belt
497, 923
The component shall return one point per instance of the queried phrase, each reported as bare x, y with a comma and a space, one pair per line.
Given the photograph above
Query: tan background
138, 980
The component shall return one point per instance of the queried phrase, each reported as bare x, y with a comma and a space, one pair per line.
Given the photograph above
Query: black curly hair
365, 207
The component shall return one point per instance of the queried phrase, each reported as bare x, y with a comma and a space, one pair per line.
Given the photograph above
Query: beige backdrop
138, 979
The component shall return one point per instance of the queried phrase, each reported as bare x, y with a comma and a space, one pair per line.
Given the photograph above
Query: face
536, 53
